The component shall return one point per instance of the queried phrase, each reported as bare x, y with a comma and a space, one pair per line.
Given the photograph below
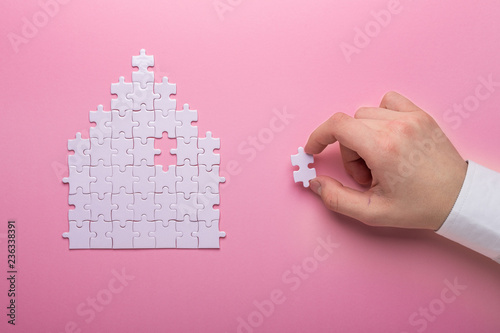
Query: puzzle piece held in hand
304, 174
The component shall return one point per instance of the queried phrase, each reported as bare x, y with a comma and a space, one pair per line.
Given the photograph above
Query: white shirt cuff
474, 220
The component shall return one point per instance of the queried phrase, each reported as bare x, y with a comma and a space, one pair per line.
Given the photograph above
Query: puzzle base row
143, 234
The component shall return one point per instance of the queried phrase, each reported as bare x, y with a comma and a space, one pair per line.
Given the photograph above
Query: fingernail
315, 186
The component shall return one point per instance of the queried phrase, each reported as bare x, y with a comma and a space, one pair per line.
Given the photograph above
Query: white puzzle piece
121, 155
165, 180
165, 89
102, 185
143, 61
208, 180
79, 214
78, 180
164, 122
121, 212
80, 147
187, 228
122, 235
143, 96
122, 124
144, 227
304, 174
208, 236
207, 157
121, 89
79, 237
185, 129
165, 234
102, 119
101, 228
143, 130
187, 152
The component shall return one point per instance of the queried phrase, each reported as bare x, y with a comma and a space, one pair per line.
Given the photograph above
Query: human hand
413, 171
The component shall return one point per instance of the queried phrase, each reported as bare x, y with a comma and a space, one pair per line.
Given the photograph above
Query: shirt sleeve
474, 220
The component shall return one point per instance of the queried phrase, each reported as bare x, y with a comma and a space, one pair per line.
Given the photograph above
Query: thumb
341, 199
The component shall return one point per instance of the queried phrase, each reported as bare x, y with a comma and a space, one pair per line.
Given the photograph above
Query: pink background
235, 69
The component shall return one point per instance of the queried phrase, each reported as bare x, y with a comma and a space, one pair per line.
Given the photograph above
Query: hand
413, 171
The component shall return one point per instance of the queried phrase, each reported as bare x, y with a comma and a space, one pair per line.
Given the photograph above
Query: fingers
376, 114
340, 127
356, 166
343, 200
394, 101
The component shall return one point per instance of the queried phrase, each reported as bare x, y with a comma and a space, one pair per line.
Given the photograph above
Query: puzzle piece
165, 89
99, 207
186, 130
101, 228
208, 213
208, 236
143, 131
121, 156
187, 185
187, 228
80, 147
122, 235
101, 186
187, 207
144, 227
122, 213
165, 212
304, 174
143, 186
165, 234
102, 119
122, 124
144, 207
143, 96
79, 179
165, 180
79, 214
207, 157
186, 151
164, 122
79, 237
100, 151
144, 152
122, 179
143, 61
121, 89
208, 180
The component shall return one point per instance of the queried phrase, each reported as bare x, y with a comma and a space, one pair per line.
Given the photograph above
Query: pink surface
239, 68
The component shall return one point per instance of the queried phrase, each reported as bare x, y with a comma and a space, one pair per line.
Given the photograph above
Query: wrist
453, 193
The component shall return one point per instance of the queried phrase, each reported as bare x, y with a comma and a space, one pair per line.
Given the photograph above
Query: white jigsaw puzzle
121, 199
304, 174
